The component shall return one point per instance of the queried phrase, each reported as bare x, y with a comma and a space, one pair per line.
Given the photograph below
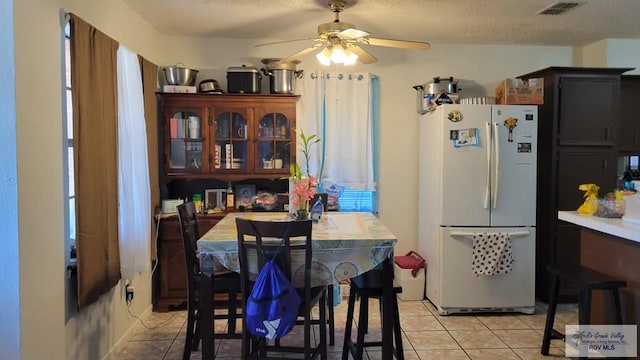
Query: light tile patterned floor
426, 335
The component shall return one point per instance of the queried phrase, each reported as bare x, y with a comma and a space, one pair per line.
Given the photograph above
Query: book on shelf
173, 127
216, 156
228, 156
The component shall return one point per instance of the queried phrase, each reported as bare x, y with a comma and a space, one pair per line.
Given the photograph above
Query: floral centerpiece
302, 185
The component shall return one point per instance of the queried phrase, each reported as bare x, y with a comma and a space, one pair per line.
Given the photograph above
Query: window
358, 200
343, 110
633, 162
68, 162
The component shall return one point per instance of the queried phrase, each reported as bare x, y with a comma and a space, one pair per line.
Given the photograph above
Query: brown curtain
149, 86
95, 126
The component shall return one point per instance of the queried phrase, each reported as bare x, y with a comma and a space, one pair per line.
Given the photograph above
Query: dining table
344, 245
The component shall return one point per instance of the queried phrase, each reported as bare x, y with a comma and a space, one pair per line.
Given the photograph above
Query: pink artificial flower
303, 190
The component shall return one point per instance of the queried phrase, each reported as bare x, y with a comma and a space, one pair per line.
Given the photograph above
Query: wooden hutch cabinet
576, 145
214, 138
227, 136
629, 129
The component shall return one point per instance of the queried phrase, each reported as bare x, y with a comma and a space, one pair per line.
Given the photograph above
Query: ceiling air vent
558, 8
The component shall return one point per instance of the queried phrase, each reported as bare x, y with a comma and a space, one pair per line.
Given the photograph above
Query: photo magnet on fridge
453, 135
466, 137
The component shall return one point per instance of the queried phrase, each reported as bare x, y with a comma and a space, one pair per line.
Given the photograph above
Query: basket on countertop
610, 208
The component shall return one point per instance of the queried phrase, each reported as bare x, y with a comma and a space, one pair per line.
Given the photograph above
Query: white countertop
615, 227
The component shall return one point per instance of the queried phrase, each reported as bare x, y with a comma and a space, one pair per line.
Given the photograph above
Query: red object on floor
412, 261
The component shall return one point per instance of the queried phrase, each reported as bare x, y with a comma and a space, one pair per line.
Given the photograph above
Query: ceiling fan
342, 39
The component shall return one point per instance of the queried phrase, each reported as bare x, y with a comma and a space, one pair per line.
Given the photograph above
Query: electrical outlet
129, 293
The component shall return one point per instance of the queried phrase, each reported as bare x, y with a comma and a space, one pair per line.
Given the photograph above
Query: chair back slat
188, 220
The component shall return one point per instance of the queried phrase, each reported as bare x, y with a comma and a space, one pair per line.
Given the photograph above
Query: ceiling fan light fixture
324, 57
351, 57
338, 55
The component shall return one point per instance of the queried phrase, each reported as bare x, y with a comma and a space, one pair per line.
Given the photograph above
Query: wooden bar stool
369, 285
586, 280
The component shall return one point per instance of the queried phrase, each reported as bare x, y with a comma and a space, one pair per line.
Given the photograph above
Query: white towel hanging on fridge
492, 254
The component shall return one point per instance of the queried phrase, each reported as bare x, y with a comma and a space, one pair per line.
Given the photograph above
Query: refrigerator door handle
488, 180
496, 176
470, 234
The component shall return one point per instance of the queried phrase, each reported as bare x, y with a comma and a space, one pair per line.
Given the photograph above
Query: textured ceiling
437, 21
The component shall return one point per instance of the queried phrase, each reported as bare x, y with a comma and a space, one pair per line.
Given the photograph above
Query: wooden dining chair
258, 241
226, 285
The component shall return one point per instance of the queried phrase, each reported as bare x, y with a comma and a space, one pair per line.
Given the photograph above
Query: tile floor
426, 335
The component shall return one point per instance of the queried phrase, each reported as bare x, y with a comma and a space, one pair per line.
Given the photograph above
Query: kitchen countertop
615, 227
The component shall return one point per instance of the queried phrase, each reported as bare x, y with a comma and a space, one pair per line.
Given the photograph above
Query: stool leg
330, 304
584, 306
397, 331
617, 311
364, 308
349, 324
363, 324
323, 327
551, 314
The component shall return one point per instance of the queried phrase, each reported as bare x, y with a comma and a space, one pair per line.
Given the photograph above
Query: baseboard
111, 355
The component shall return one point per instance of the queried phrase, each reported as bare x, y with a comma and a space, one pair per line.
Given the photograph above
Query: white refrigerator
478, 178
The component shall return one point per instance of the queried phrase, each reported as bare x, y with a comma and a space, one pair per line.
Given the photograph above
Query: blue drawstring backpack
272, 306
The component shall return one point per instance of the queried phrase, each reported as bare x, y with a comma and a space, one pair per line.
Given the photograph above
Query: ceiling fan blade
353, 33
282, 42
405, 44
301, 53
363, 56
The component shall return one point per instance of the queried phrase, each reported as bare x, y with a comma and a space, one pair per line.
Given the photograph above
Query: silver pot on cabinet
448, 85
438, 92
209, 86
282, 75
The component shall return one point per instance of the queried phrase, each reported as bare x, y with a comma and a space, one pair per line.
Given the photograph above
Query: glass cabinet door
274, 142
185, 138
231, 148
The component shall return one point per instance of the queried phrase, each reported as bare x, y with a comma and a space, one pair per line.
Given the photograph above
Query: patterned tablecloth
344, 245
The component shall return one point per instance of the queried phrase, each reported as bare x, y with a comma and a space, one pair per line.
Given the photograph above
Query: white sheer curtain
338, 107
134, 195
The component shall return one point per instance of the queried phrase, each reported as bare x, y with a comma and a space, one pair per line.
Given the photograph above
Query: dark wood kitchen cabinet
587, 108
580, 167
170, 276
629, 125
227, 136
577, 129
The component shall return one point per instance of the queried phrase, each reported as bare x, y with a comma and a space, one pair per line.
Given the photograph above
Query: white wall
46, 332
480, 69
624, 53
619, 53
9, 260
593, 55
